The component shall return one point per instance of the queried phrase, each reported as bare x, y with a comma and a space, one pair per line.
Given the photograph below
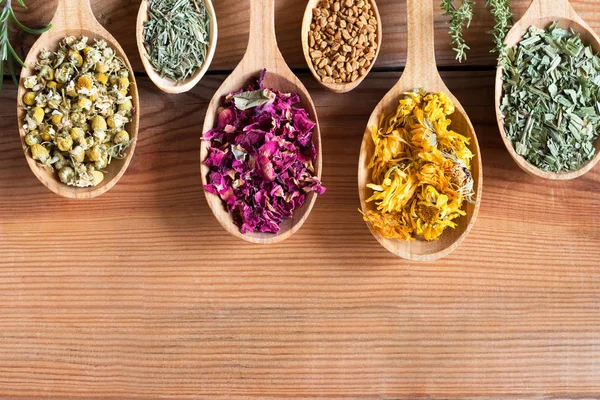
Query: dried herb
7, 52
551, 101
261, 157
460, 18
77, 109
421, 170
176, 37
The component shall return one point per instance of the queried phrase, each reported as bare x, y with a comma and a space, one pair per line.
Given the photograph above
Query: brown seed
311, 41
328, 79
362, 71
329, 70
316, 54
322, 63
336, 6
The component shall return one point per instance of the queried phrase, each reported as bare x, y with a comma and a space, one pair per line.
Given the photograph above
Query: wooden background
140, 294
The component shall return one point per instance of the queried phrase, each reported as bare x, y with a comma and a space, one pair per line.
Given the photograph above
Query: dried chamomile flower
77, 109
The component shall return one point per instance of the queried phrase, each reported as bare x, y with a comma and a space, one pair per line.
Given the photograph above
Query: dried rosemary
551, 101
176, 37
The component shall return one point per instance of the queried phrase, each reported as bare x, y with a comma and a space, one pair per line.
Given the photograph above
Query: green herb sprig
460, 18
8, 54
503, 19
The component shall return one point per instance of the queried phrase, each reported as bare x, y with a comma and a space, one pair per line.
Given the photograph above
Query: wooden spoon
75, 18
262, 52
541, 13
335, 87
421, 72
165, 84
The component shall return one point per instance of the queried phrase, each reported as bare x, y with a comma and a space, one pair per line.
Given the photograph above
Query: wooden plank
141, 294
119, 18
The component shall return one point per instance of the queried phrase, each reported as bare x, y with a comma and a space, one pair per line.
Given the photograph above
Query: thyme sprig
8, 54
502, 14
460, 18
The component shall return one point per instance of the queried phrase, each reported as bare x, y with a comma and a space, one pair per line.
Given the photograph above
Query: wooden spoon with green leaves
542, 14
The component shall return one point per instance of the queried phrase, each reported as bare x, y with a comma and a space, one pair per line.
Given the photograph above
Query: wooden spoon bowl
165, 84
262, 53
421, 72
75, 18
336, 87
542, 13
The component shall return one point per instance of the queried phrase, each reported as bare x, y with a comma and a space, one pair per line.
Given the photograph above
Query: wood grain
118, 16
141, 294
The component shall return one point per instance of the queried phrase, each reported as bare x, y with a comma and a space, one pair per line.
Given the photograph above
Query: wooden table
141, 294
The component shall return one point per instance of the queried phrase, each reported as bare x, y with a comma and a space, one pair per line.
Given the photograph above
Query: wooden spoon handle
420, 58
555, 8
74, 13
262, 45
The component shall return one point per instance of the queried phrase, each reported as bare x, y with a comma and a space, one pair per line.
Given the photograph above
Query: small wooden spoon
542, 13
165, 84
262, 52
336, 87
75, 18
421, 72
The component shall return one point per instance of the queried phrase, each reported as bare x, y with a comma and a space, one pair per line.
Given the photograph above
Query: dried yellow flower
420, 169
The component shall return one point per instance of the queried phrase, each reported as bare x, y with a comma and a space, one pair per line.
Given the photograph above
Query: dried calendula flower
78, 107
420, 169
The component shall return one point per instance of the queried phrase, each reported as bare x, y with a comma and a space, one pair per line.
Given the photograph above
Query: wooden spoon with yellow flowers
419, 174
78, 107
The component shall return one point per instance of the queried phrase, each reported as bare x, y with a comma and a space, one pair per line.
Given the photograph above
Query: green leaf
255, 98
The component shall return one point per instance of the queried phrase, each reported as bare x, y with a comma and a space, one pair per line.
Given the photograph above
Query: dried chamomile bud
77, 153
121, 137
32, 139
29, 98
58, 160
101, 67
44, 54
98, 177
64, 73
30, 82
126, 106
75, 58
101, 78
56, 118
46, 73
64, 142
77, 134
84, 103
116, 121
95, 153
84, 84
39, 153
98, 124
37, 113
66, 175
